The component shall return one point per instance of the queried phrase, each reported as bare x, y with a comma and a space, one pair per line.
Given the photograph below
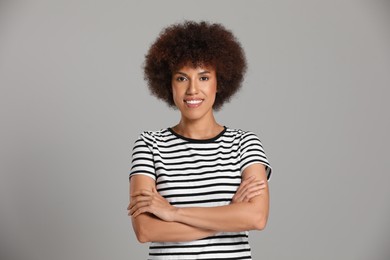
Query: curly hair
196, 44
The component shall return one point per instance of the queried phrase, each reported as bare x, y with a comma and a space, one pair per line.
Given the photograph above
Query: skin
154, 219
200, 83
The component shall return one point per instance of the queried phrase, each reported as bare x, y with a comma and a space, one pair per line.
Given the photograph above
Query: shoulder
244, 138
151, 137
237, 133
251, 149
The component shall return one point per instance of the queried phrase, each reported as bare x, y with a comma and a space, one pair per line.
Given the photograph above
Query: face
194, 91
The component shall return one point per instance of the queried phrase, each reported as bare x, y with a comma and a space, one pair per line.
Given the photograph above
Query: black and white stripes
198, 173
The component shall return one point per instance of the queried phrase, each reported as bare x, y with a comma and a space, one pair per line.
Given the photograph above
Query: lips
193, 102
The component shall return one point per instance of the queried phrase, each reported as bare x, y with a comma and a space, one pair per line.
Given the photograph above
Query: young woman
197, 188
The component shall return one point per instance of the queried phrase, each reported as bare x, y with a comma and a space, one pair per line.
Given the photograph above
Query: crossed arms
154, 219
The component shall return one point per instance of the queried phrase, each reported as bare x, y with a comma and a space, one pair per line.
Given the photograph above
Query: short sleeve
251, 151
142, 157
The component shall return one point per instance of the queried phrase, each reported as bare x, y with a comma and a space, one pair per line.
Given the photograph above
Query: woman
197, 188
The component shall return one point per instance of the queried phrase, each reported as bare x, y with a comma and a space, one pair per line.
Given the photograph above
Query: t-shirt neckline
209, 140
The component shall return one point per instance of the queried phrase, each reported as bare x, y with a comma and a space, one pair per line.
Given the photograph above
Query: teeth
193, 101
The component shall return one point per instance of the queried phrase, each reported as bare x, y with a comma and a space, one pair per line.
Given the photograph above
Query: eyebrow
200, 73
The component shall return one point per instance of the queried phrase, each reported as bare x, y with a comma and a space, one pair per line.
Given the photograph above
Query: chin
191, 117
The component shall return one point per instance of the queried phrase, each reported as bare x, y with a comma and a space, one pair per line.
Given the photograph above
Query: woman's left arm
249, 214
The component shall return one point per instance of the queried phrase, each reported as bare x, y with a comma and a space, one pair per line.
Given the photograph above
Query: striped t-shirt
198, 173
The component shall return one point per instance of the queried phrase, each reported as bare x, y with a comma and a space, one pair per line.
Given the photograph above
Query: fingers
138, 206
154, 204
138, 199
249, 189
143, 192
255, 191
250, 186
141, 195
145, 201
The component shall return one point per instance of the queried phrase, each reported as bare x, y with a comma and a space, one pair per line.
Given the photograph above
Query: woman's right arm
149, 228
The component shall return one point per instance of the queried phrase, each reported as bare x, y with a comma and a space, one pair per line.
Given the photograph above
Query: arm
148, 227
249, 214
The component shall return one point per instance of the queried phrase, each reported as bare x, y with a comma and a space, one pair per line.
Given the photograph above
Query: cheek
175, 96
213, 88
173, 91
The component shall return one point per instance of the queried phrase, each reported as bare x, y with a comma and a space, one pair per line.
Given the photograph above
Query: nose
192, 88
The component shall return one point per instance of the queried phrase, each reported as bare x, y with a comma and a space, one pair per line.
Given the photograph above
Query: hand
152, 202
248, 189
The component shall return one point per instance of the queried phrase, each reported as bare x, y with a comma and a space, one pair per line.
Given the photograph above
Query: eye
204, 78
181, 78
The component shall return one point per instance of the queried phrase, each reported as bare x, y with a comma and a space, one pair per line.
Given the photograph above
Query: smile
193, 102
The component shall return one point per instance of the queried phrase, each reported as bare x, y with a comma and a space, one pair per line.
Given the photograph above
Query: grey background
73, 100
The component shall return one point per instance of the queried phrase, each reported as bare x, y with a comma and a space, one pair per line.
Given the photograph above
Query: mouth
193, 102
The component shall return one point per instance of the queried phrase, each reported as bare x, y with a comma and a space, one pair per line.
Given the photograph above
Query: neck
198, 129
